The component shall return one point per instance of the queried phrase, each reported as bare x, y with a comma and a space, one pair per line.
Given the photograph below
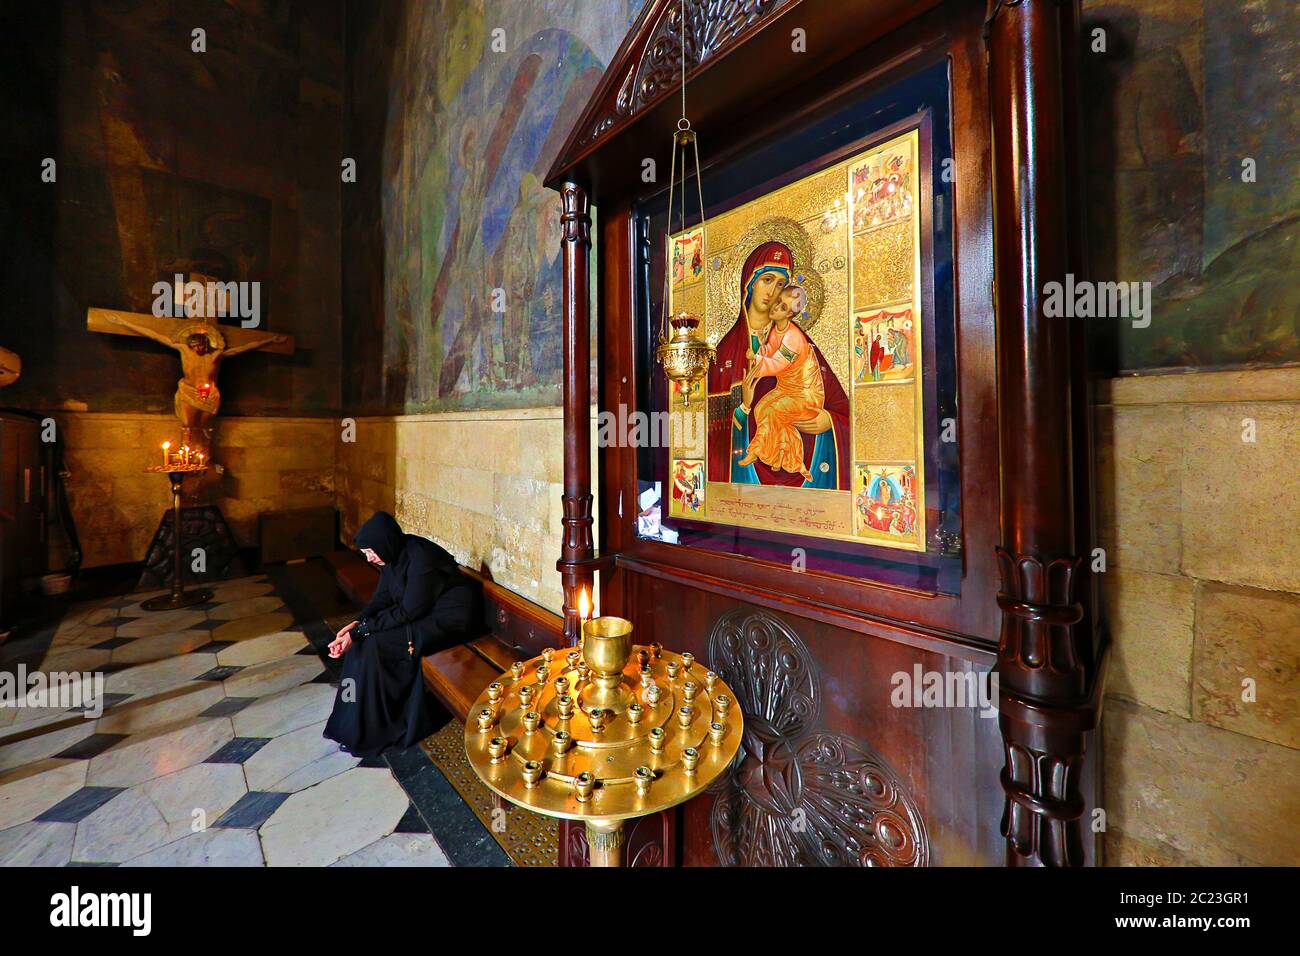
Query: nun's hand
346, 629
341, 644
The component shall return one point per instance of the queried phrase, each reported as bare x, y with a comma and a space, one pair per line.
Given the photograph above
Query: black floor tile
212, 647
207, 625
116, 621
252, 809
228, 706
238, 750
111, 643
91, 746
77, 806
453, 824
411, 822
219, 673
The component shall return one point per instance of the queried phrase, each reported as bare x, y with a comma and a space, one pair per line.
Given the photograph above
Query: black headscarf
382, 535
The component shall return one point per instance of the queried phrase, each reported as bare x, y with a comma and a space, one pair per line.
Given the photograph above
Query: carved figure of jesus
202, 348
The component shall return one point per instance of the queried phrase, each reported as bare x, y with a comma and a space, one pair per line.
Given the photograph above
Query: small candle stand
603, 734
176, 465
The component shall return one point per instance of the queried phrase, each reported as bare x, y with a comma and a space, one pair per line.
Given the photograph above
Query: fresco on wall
468, 134
163, 167
1185, 92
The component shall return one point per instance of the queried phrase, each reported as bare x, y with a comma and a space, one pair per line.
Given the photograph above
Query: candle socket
584, 784
685, 714
644, 777
532, 773
717, 733
486, 719
690, 759
532, 720
497, 749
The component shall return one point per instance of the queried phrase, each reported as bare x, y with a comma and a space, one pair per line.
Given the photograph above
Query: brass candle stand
179, 597
603, 734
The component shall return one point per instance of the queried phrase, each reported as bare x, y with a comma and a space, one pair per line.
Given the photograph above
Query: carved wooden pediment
647, 67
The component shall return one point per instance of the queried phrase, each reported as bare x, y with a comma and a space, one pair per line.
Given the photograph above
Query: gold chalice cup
606, 647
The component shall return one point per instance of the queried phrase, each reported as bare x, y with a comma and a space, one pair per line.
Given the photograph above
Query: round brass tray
614, 754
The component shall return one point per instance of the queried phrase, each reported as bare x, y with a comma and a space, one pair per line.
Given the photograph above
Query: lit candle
584, 606
185, 455
165, 446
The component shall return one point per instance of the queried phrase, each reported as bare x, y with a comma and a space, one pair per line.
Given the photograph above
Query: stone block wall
484, 485
1201, 526
270, 464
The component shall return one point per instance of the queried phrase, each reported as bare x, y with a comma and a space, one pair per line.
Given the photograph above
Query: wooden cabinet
24, 473
835, 767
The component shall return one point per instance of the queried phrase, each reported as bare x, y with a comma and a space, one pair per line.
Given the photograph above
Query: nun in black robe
422, 605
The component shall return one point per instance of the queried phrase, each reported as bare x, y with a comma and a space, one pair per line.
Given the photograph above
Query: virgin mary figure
767, 271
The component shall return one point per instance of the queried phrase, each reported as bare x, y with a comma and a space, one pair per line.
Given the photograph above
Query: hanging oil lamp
684, 353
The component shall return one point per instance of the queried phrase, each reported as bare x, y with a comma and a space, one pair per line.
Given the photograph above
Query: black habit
422, 605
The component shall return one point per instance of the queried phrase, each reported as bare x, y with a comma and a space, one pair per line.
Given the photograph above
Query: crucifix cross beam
202, 346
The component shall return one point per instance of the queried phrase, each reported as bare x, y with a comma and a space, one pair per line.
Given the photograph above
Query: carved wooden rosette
798, 795
577, 547
1048, 686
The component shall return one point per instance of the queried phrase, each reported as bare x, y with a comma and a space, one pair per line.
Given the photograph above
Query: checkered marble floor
208, 752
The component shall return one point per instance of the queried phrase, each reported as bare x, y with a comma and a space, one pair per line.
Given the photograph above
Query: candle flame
584, 605
166, 445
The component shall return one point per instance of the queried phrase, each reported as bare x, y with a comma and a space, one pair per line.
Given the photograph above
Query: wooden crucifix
202, 346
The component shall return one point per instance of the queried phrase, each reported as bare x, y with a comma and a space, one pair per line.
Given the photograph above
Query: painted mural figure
823, 434
799, 394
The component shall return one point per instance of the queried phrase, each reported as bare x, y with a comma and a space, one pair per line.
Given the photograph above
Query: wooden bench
513, 629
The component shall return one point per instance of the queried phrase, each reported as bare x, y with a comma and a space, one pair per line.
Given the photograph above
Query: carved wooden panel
798, 795
711, 26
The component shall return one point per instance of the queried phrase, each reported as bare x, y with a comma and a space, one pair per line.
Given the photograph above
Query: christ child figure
798, 395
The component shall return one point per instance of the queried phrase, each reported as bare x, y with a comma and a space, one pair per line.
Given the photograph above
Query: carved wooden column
1046, 661
576, 549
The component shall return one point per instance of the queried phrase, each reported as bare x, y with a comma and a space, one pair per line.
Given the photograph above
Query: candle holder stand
606, 733
178, 597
